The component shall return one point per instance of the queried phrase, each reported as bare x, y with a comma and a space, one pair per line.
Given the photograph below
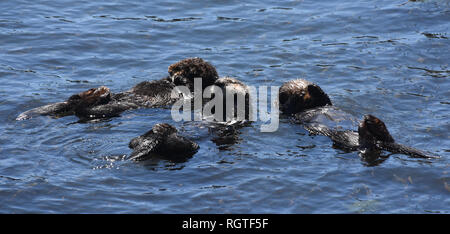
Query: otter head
163, 129
237, 94
372, 130
90, 98
299, 95
185, 71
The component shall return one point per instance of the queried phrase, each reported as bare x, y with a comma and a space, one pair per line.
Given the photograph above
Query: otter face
92, 97
373, 129
298, 95
183, 72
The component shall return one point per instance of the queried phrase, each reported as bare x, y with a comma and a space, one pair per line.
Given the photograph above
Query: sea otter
162, 141
101, 103
310, 106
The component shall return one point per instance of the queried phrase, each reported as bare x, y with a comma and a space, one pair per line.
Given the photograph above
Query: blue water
386, 58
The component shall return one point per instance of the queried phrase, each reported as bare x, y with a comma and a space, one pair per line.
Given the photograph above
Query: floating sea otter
101, 103
310, 106
162, 141
226, 125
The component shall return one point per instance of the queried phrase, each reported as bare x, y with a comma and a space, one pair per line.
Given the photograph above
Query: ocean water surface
386, 58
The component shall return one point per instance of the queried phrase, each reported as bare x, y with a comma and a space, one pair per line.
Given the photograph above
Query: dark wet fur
147, 94
239, 91
371, 139
162, 141
299, 96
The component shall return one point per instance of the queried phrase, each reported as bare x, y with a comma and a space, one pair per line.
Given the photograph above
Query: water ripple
387, 58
